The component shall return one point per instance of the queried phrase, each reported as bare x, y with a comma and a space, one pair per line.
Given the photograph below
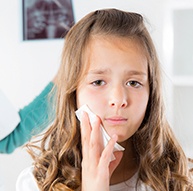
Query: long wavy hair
57, 163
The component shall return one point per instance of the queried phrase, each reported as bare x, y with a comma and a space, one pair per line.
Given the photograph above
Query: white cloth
9, 117
105, 136
27, 182
125, 186
130, 185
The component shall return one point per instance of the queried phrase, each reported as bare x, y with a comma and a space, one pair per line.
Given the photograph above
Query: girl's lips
116, 120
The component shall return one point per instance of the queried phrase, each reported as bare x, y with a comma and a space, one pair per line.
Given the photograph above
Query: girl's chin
123, 141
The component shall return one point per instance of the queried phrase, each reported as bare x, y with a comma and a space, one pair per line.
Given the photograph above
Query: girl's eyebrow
129, 73
136, 73
99, 71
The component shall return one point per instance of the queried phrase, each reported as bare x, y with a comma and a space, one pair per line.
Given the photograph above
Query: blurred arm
34, 118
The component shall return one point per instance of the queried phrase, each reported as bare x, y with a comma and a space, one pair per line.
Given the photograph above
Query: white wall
26, 67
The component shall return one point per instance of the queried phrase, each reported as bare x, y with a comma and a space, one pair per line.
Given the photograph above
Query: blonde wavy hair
57, 162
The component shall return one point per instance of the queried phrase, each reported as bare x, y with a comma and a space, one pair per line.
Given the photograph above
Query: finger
85, 129
108, 151
96, 141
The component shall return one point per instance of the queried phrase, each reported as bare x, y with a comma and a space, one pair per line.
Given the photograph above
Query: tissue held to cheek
105, 136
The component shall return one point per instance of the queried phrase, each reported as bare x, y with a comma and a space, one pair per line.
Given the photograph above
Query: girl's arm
34, 118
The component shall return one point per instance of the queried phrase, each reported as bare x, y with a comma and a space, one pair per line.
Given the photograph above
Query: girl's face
116, 86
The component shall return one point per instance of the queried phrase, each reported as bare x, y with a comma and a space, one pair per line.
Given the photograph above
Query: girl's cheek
96, 100
94, 97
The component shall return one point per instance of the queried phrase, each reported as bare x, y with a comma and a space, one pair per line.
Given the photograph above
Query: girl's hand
96, 166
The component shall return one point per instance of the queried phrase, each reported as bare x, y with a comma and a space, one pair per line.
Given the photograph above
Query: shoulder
143, 187
26, 181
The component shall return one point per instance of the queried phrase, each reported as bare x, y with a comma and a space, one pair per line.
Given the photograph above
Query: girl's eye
98, 83
134, 84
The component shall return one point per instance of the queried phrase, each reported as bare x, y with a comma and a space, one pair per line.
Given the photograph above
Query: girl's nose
118, 98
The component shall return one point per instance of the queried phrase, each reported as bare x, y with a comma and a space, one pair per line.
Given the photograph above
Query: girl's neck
128, 165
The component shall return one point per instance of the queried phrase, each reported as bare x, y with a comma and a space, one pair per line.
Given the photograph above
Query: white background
27, 66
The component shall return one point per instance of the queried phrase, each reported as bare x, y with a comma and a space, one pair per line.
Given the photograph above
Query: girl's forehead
113, 44
118, 41
102, 50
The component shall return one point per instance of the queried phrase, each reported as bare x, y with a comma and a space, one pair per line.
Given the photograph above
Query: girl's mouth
116, 120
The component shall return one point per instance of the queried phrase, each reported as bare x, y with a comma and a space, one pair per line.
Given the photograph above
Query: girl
109, 63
